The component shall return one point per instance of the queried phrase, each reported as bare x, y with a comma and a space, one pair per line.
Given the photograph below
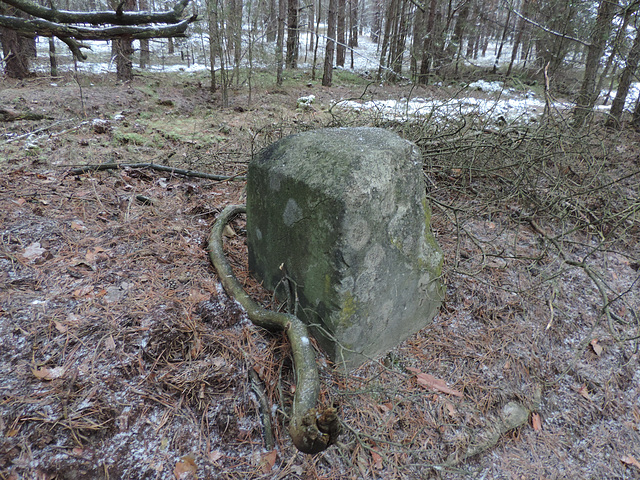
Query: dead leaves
630, 460
185, 468
432, 383
46, 373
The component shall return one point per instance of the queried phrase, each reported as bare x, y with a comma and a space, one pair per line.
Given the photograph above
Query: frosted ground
498, 103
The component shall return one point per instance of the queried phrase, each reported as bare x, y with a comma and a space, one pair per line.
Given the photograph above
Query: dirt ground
122, 357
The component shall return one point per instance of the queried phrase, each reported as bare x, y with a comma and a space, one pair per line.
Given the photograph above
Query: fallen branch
513, 415
312, 428
155, 166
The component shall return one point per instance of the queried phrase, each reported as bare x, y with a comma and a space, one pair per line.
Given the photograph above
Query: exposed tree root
154, 166
312, 428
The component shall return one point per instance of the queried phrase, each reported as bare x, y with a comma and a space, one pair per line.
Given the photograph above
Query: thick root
312, 429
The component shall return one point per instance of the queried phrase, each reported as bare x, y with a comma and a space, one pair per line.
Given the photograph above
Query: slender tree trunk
282, 13
272, 21
53, 60
622, 31
212, 18
292, 34
518, 40
327, 77
315, 50
427, 45
235, 7
391, 17
310, 28
353, 21
458, 31
587, 96
145, 54
625, 82
505, 31
416, 44
340, 33
376, 29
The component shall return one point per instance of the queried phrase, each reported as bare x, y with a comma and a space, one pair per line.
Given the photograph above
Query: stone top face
343, 213
345, 154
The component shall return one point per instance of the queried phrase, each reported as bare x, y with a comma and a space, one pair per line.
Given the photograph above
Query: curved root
312, 429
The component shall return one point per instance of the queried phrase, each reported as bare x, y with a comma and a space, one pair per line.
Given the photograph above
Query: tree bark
292, 34
213, 51
271, 27
117, 17
428, 44
327, 77
340, 33
53, 60
624, 83
587, 96
282, 13
14, 48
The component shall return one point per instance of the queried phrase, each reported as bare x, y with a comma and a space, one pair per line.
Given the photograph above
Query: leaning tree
20, 19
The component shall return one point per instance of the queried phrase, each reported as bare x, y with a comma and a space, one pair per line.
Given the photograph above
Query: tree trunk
282, 13
427, 45
271, 26
376, 29
123, 50
53, 60
625, 82
340, 33
14, 49
327, 77
236, 35
213, 22
391, 17
502, 40
587, 96
145, 54
310, 28
518, 40
353, 21
315, 50
458, 31
292, 34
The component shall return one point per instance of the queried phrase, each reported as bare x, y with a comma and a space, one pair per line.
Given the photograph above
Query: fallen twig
312, 428
155, 166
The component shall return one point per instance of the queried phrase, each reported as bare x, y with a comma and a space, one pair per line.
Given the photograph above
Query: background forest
126, 127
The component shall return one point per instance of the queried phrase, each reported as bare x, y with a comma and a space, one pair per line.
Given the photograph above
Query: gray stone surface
344, 210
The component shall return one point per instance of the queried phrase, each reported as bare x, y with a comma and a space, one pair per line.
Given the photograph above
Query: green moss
131, 138
348, 310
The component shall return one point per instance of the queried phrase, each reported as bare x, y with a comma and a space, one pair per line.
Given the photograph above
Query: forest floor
121, 356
